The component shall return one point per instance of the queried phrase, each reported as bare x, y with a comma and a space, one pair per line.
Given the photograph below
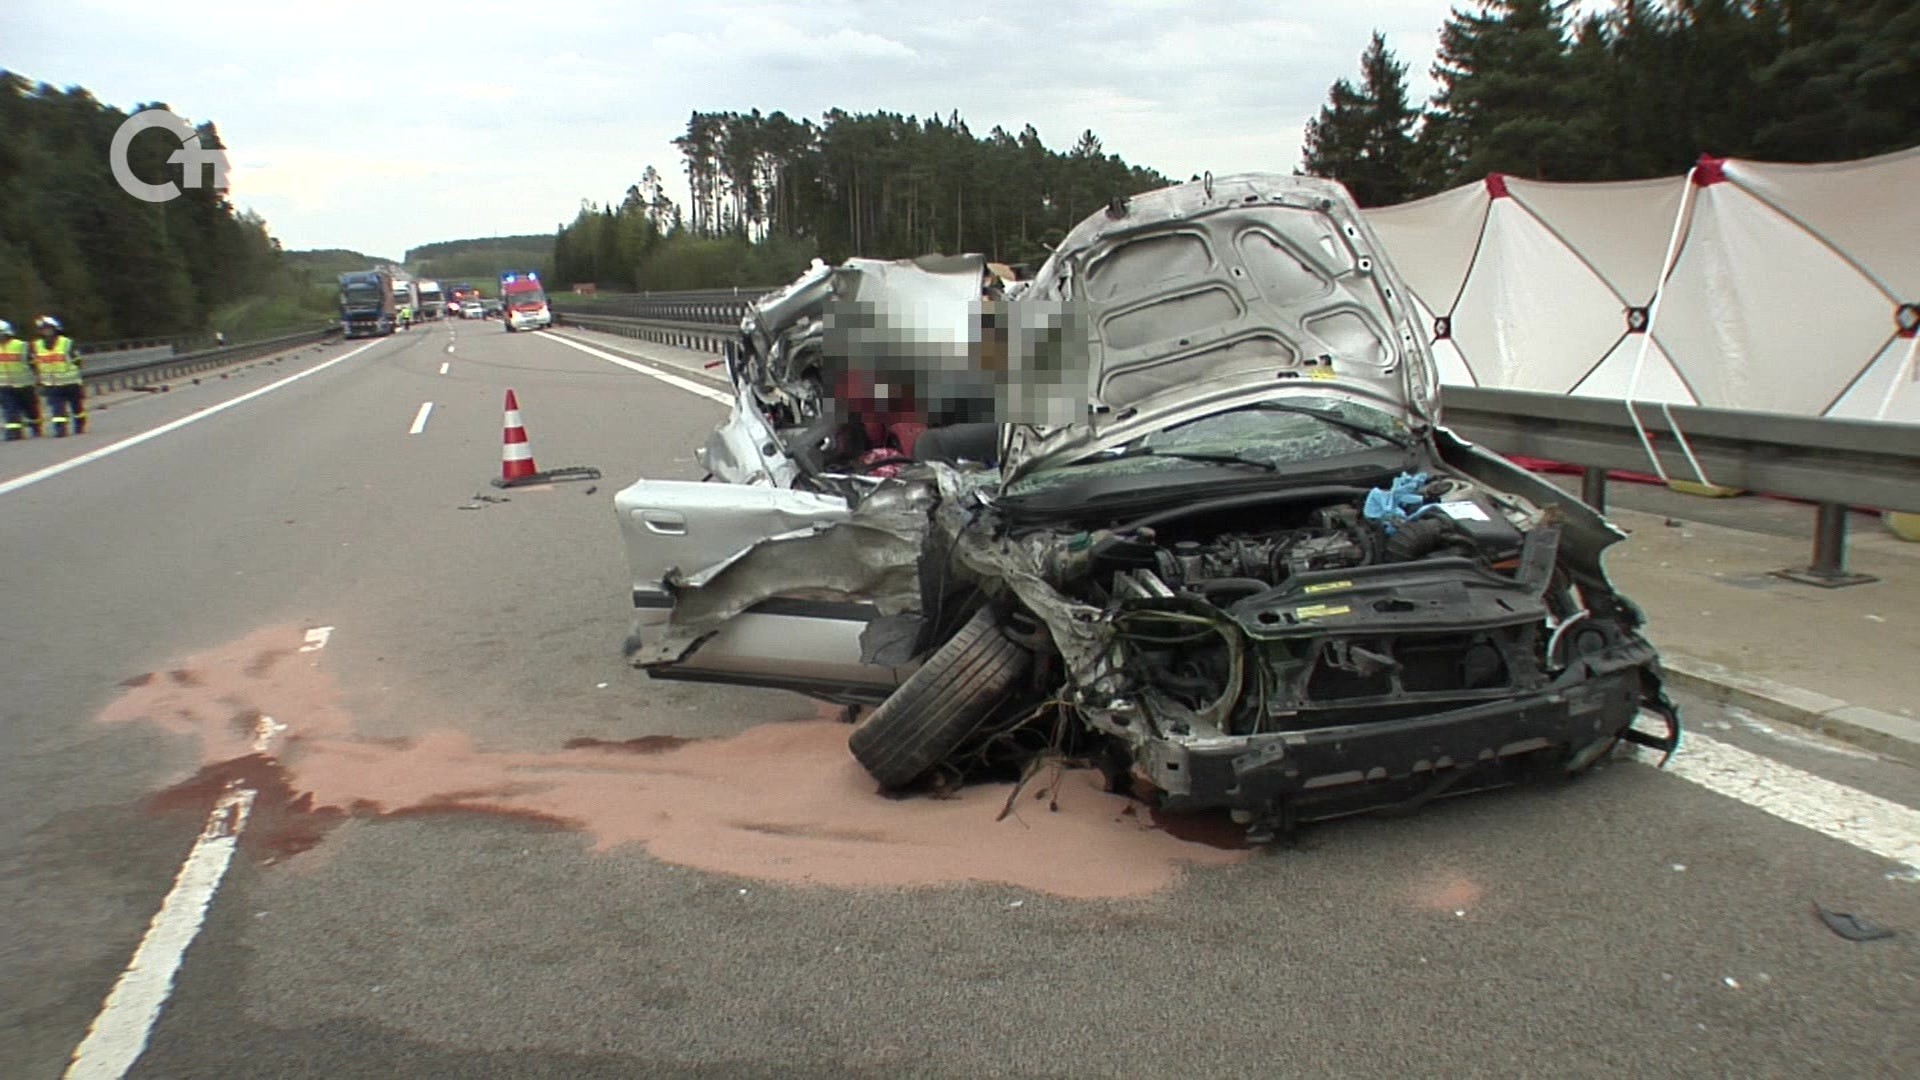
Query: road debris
1850, 926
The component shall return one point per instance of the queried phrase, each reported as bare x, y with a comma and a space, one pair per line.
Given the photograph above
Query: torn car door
769, 587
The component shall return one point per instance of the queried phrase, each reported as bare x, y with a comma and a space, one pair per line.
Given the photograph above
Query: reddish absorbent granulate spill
645, 744
781, 801
1445, 890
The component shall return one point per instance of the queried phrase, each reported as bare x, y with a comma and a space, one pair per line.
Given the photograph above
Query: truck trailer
406, 295
433, 304
366, 304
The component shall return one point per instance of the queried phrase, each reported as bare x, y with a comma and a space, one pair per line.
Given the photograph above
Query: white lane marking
317, 639
118, 1035
449, 346
671, 380
1868, 822
642, 357
34, 477
420, 418
444, 364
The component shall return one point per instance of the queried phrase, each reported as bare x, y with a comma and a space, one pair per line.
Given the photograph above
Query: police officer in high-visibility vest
19, 407
58, 370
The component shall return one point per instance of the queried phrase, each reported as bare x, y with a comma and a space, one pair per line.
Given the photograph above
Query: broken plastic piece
569, 472
1852, 927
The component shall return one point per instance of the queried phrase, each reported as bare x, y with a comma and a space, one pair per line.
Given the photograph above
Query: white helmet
6, 328
47, 322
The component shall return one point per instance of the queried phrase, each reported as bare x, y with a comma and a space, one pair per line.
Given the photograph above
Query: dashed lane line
51, 471
420, 418
118, 1035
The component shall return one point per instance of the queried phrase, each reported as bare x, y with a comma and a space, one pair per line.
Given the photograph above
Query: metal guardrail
175, 343
697, 336
709, 307
1835, 464
102, 374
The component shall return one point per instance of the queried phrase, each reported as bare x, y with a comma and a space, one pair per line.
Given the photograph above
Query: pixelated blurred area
936, 338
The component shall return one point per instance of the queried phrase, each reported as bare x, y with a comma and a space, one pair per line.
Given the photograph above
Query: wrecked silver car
802, 408
1247, 569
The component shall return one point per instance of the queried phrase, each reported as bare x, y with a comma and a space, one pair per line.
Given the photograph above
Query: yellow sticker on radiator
1321, 373
1320, 611
1327, 586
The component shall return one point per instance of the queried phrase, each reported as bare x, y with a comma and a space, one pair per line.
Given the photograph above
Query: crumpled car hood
1202, 295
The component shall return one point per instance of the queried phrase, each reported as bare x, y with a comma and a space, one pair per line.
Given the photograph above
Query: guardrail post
1829, 567
1593, 488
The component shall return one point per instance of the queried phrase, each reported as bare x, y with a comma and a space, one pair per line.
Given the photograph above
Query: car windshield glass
533, 297
363, 295
1277, 434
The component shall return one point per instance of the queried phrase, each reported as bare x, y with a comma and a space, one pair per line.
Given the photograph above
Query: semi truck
432, 303
523, 302
366, 304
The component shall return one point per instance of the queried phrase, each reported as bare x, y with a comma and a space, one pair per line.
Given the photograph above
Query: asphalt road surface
1639, 922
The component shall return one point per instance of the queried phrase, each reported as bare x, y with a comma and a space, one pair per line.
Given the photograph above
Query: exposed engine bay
1243, 617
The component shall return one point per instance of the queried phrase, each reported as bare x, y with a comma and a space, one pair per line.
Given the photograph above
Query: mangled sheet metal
1081, 632
871, 556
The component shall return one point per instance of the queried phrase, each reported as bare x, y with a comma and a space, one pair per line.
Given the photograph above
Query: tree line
1535, 88
769, 192
74, 245
1638, 89
481, 260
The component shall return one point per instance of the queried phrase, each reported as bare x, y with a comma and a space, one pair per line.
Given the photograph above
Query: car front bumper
1332, 771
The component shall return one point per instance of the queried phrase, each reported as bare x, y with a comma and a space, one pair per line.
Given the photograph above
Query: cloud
774, 39
386, 142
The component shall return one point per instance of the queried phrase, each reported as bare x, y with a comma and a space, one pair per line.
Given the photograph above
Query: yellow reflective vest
54, 363
14, 369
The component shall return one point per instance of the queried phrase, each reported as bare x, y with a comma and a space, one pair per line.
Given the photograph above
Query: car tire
940, 704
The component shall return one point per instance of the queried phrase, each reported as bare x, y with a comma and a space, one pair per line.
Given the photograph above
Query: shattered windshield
1273, 434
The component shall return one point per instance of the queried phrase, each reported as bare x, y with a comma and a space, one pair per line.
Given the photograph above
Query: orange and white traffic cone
516, 454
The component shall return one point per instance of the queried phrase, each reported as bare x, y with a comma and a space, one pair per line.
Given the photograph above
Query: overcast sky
372, 128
